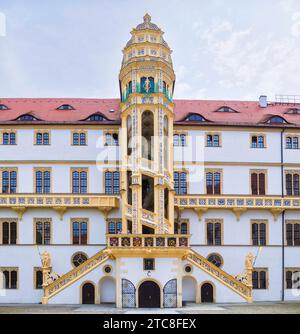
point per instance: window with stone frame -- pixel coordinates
(292, 232)
(79, 231)
(9, 228)
(260, 279)
(10, 277)
(42, 231)
(259, 232)
(214, 228)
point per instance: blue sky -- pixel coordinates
(223, 49)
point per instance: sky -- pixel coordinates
(222, 49)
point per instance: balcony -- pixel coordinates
(238, 204)
(59, 202)
(164, 244)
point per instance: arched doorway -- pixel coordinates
(189, 286)
(207, 293)
(107, 290)
(88, 293)
(149, 295)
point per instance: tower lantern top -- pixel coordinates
(147, 24)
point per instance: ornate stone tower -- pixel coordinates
(146, 84)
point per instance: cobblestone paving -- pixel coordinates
(257, 308)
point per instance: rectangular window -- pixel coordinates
(258, 182)
(42, 231)
(258, 141)
(79, 232)
(292, 232)
(179, 139)
(9, 138)
(38, 278)
(10, 276)
(260, 279)
(292, 142)
(79, 138)
(213, 182)
(112, 182)
(42, 138)
(259, 232)
(9, 181)
(180, 183)
(292, 278)
(213, 140)
(42, 181)
(292, 183)
(149, 264)
(181, 227)
(214, 232)
(111, 139)
(114, 226)
(79, 181)
(9, 231)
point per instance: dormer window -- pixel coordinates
(293, 111)
(96, 117)
(226, 109)
(3, 107)
(65, 107)
(276, 120)
(195, 118)
(27, 118)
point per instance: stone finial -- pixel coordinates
(147, 18)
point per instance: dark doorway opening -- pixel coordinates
(207, 293)
(149, 295)
(88, 293)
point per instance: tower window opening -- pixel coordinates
(148, 193)
(147, 135)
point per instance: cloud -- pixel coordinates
(295, 29)
(243, 59)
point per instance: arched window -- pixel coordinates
(276, 120)
(166, 142)
(66, 107)
(180, 183)
(226, 109)
(195, 118)
(3, 107)
(96, 117)
(288, 142)
(147, 135)
(27, 118)
(129, 135)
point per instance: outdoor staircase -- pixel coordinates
(75, 274)
(199, 261)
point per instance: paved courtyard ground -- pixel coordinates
(257, 308)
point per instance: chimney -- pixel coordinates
(263, 103)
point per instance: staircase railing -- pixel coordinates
(75, 274)
(240, 288)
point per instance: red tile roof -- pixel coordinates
(248, 113)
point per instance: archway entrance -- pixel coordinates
(207, 293)
(149, 295)
(88, 293)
